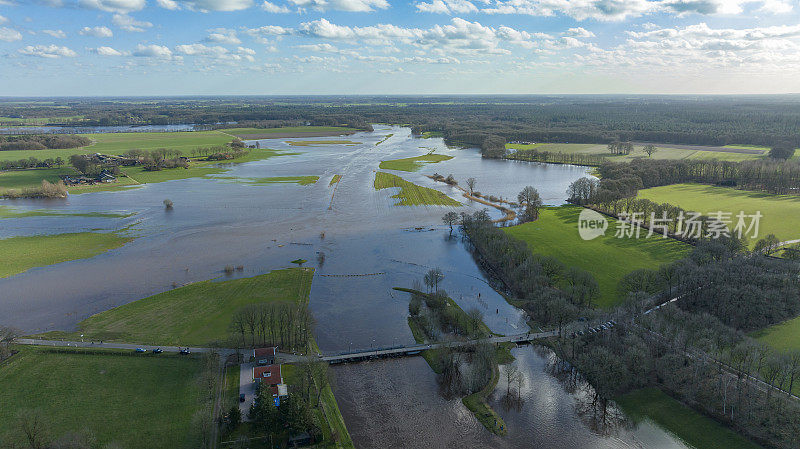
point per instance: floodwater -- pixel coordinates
(362, 246)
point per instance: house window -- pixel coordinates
(267, 374)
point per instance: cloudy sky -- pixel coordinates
(164, 47)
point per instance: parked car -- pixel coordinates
(157, 351)
(185, 351)
(141, 350)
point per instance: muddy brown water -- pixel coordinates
(369, 246)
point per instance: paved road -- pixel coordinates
(224, 352)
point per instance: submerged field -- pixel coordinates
(608, 258)
(194, 315)
(20, 254)
(693, 428)
(413, 163)
(127, 399)
(288, 131)
(781, 213)
(411, 194)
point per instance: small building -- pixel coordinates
(270, 376)
(265, 356)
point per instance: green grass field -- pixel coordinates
(638, 151)
(413, 163)
(783, 336)
(194, 315)
(608, 258)
(335, 180)
(411, 194)
(133, 400)
(20, 254)
(19, 179)
(781, 213)
(118, 143)
(691, 427)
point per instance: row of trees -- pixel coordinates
(32, 162)
(764, 175)
(283, 324)
(551, 292)
(534, 155)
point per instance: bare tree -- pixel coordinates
(450, 219)
(471, 182)
(649, 149)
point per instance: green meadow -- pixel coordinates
(783, 336)
(411, 194)
(608, 258)
(638, 151)
(20, 254)
(118, 143)
(413, 163)
(132, 400)
(10, 212)
(781, 213)
(696, 430)
(197, 314)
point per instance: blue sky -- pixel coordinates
(255, 47)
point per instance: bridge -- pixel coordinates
(411, 350)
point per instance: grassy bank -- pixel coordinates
(335, 180)
(411, 194)
(413, 163)
(781, 213)
(20, 254)
(132, 400)
(783, 336)
(693, 428)
(20, 179)
(475, 402)
(608, 258)
(194, 315)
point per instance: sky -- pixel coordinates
(291, 47)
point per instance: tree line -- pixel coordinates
(42, 142)
(282, 324)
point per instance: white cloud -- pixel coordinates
(607, 10)
(273, 8)
(579, 32)
(130, 24)
(58, 34)
(216, 52)
(9, 34)
(269, 30)
(47, 51)
(223, 36)
(99, 31)
(118, 6)
(106, 51)
(168, 4)
(152, 51)
(206, 5)
(342, 5)
(447, 7)
(3, 19)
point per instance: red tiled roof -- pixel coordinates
(260, 352)
(270, 374)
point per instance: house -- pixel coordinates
(265, 356)
(271, 376)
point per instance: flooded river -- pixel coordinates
(362, 246)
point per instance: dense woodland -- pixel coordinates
(41, 142)
(758, 120)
